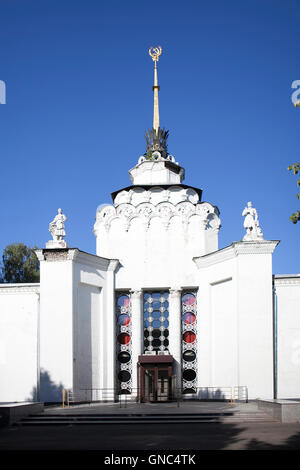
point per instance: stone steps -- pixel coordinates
(66, 419)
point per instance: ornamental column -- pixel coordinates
(175, 333)
(137, 332)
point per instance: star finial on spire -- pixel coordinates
(155, 52)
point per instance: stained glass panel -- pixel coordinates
(155, 321)
(124, 343)
(189, 342)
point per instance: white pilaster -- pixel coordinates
(56, 322)
(109, 365)
(137, 332)
(175, 332)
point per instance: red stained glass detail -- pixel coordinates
(123, 338)
(124, 320)
(189, 337)
(190, 300)
(189, 318)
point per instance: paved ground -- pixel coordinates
(245, 433)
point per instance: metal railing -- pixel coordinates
(102, 395)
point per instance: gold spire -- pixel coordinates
(155, 52)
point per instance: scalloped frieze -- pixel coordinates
(156, 195)
(126, 212)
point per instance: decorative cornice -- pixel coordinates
(255, 247)
(73, 254)
(89, 259)
(235, 249)
(288, 280)
(215, 257)
(20, 288)
(40, 255)
(113, 264)
(77, 256)
(56, 255)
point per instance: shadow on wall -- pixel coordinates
(49, 390)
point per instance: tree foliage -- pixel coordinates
(19, 264)
(295, 168)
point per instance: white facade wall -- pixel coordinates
(19, 344)
(235, 326)
(255, 316)
(223, 335)
(217, 313)
(75, 334)
(56, 324)
(87, 337)
(287, 321)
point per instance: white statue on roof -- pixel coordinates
(57, 230)
(251, 224)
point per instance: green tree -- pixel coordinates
(295, 168)
(19, 264)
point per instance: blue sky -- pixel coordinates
(79, 99)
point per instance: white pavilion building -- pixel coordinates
(159, 312)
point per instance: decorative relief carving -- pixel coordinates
(288, 281)
(125, 210)
(186, 209)
(56, 255)
(145, 210)
(165, 210)
(13, 288)
(166, 195)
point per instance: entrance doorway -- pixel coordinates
(155, 378)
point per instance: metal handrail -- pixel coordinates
(230, 393)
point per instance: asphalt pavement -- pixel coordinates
(238, 427)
